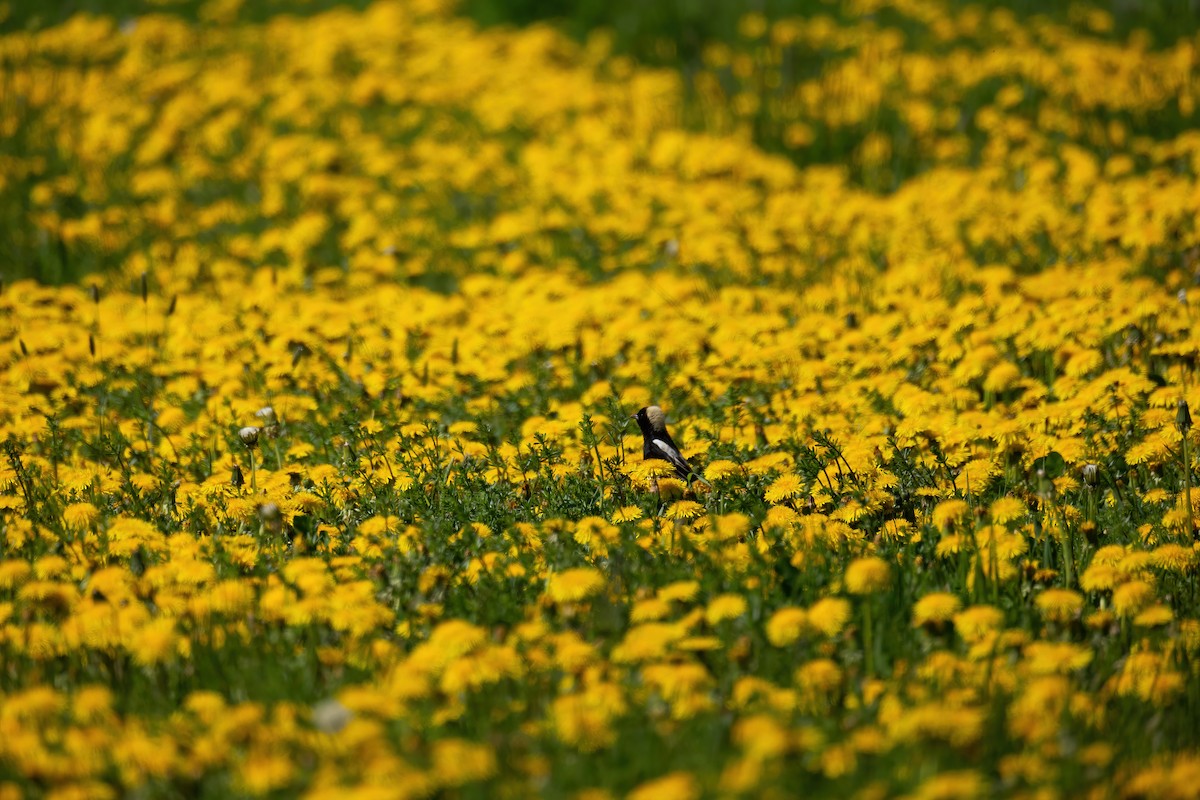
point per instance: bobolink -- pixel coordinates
(657, 443)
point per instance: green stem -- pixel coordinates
(253, 474)
(868, 643)
(1068, 546)
(1187, 487)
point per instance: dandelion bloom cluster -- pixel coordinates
(323, 484)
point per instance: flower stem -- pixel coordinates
(868, 639)
(1187, 487)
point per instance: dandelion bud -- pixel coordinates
(249, 436)
(1183, 418)
(330, 716)
(237, 479)
(271, 516)
(1090, 473)
(94, 292)
(266, 414)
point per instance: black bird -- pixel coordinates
(657, 443)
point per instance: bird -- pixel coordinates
(657, 443)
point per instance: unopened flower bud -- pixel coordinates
(237, 479)
(1090, 474)
(249, 436)
(1183, 418)
(271, 516)
(266, 414)
(330, 716)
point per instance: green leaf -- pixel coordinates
(1052, 465)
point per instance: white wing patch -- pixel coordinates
(672, 454)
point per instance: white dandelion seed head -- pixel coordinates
(249, 435)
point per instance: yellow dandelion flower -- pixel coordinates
(950, 545)
(647, 642)
(953, 785)
(1098, 577)
(1154, 617)
(675, 786)
(683, 510)
(768, 463)
(264, 771)
(1007, 509)
(684, 591)
(1056, 658)
(1036, 713)
(1100, 620)
(976, 622)
(1173, 777)
(761, 736)
(81, 516)
(935, 609)
(786, 625)
(781, 518)
(719, 469)
(627, 514)
(725, 607)
(1154, 449)
(784, 487)
(820, 675)
(649, 470)
(1174, 557)
(1131, 597)
(571, 653)
(1111, 555)
(1189, 634)
(457, 762)
(949, 511)
(574, 585)
(829, 615)
(1148, 676)
(448, 641)
(584, 720)
(1060, 605)
(649, 610)
(13, 573)
(697, 644)
(1136, 563)
(155, 642)
(867, 575)
(732, 526)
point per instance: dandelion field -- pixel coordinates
(320, 335)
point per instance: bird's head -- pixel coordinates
(651, 419)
